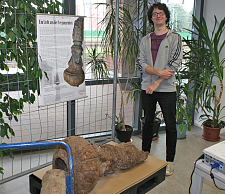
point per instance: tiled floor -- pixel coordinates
(188, 150)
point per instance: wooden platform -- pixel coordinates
(137, 180)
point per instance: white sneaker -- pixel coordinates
(169, 169)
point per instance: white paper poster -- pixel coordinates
(55, 38)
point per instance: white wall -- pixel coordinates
(211, 8)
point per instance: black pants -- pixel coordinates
(167, 102)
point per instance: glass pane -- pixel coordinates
(180, 15)
(92, 32)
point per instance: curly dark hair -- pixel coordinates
(161, 6)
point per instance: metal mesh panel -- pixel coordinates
(92, 114)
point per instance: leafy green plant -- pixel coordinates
(159, 116)
(119, 123)
(204, 66)
(131, 27)
(184, 107)
(18, 42)
(97, 64)
(217, 122)
(134, 87)
(9, 153)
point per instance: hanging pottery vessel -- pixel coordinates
(74, 74)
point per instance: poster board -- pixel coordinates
(54, 41)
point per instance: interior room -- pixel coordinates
(70, 68)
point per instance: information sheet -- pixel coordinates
(55, 39)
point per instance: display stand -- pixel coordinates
(203, 171)
(137, 180)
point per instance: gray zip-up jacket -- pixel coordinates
(169, 56)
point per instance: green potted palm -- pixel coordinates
(97, 63)
(100, 71)
(205, 70)
(128, 45)
(184, 106)
(130, 29)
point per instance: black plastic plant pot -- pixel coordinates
(156, 125)
(124, 136)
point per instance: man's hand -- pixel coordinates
(166, 73)
(151, 88)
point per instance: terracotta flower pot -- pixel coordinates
(211, 134)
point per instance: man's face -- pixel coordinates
(159, 17)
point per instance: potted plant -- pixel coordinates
(184, 107)
(134, 88)
(97, 63)
(156, 124)
(128, 36)
(205, 70)
(123, 133)
(99, 68)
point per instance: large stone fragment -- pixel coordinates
(91, 161)
(110, 154)
(130, 155)
(120, 156)
(54, 182)
(87, 166)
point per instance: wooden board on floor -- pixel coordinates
(40, 173)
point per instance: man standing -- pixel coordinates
(160, 56)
